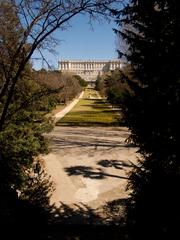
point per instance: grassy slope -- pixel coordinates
(91, 112)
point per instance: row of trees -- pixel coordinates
(66, 86)
(113, 86)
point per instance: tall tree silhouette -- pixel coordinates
(150, 29)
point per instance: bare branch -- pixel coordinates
(38, 20)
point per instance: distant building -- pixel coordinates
(88, 70)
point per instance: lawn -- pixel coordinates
(90, 93)
(91, 112)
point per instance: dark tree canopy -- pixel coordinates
(151, 31)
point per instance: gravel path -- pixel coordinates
(89, 165)
(62, 113)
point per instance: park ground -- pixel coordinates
(91, 110)
(89, 163)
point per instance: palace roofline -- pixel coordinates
(88, 60)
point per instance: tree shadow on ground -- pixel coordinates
(100, 101)
(90, 172)
(101, 107)
(118, 164)
(112, 111)
(96, 143)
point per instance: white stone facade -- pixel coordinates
(89, 69)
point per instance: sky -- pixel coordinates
(81, 42)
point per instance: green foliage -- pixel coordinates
(113, 86)
(114, 96)
(24, 191)
(38, 187)
(99, 84)
(81, 81)
(21, 142)
(151, 30)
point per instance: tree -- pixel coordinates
(151, 31)
(35, 22)
(64, 85)
(21, 138)
(115, 87)
(81, 81)
(98, 83)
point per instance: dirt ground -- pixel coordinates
(89, 165)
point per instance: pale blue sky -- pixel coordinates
(80, 41)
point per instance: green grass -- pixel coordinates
(90, 93)
(91, 112)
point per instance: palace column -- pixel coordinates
(69, 65)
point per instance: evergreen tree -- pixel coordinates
(81, 81)
(151, 31)
(98, 83)
(24, 187)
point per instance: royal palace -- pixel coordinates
(89, 70)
